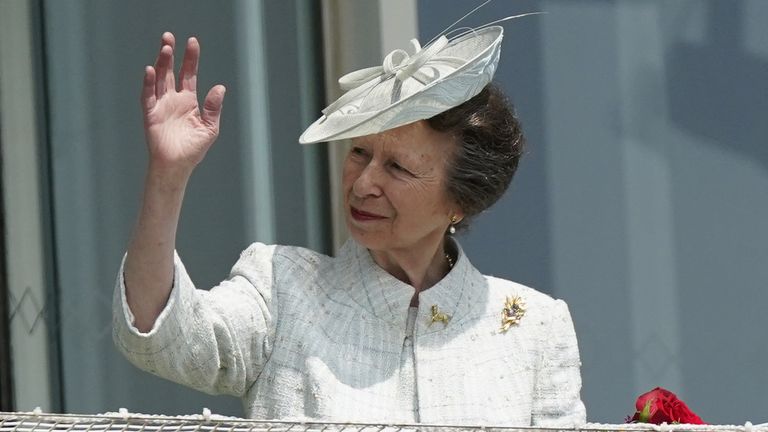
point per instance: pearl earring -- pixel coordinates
(452, 228)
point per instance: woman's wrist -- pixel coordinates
(167, 179)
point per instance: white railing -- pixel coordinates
(207, 422)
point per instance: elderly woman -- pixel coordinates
(400, 327)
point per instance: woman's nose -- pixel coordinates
(368, 182)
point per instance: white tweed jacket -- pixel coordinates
(300, 335)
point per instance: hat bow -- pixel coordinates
(399, 64)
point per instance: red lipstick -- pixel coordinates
(360, 215)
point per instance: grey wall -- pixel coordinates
(95, 53)
(643, 199)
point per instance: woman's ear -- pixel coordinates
(456, 216)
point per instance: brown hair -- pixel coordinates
(489, 143)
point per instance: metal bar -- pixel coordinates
(6, 374)
(45, 168)
(35, 422)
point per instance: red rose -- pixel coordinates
(662, 406)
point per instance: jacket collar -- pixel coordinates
(384, 296)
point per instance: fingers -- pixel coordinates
(162, 69)
(212, 107)
(164, 66)
(188, 74)
(170, 79)
(168, 39)
(148, 99)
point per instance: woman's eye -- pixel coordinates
(397, 167)
(357, 151)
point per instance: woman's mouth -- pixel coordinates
(360, 215)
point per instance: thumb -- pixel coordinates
(212, 106)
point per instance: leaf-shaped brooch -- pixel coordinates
(514, 310)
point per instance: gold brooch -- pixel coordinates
(514, 309)
(438, 316)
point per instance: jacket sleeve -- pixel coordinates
(215, 341)
(557, 401)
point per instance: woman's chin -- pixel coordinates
(365, 238)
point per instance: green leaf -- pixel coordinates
(645, 414)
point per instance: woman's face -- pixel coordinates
(394, 188)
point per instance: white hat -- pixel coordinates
(410, 86)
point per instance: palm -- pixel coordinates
(175, 131)
(178, 132)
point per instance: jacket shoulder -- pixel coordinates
(281, 257)
(501, 288)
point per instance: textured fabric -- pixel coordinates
(406, 391)
(298, 334)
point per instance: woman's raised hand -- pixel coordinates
(178, 132)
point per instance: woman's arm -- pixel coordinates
(178, 135)
(216, 340)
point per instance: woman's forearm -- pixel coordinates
(148, 271)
